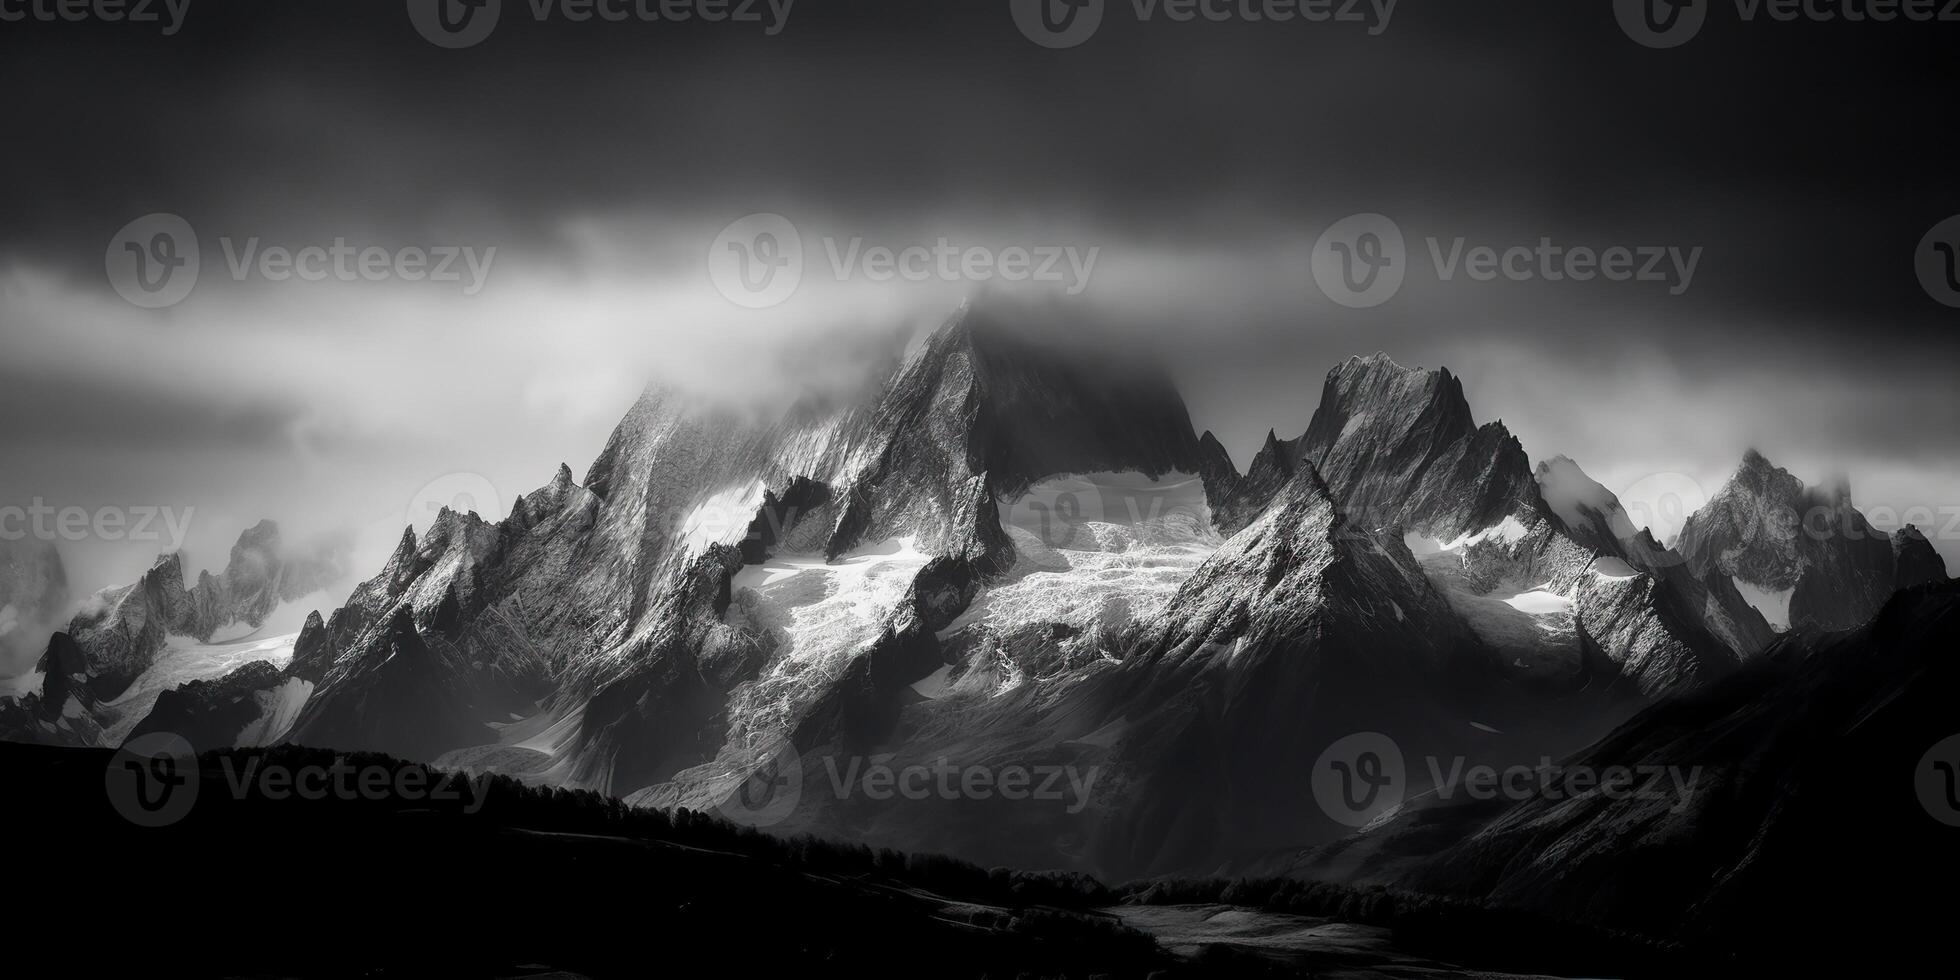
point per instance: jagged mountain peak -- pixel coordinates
(1379, 361)
(1579, 500)
(1807, 557)
(1039, 395)
(261, 536)
(1400, 446)
(1379, 368)
(1757, 475)
(168, 568)
(1379, 402)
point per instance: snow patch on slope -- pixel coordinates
(183, 660)
(721, 519)
(826, 615)
(1576, 498)
(1774, 604)
(1508, 531)
(1539, 602)
(278, 709)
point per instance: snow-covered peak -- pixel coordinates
(1578, 500)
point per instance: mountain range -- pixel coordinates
(1013, 552)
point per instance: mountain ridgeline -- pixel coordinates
(1017, 555)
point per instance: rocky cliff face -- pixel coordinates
(1399, 447)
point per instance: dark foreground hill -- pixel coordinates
(295, 862)
(490, 879)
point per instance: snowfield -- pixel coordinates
(184, 660)
(825, 615)
(1105, 547)
(1774, 604)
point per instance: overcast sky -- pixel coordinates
(1202, 161)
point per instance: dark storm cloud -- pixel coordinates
(1807, 159)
